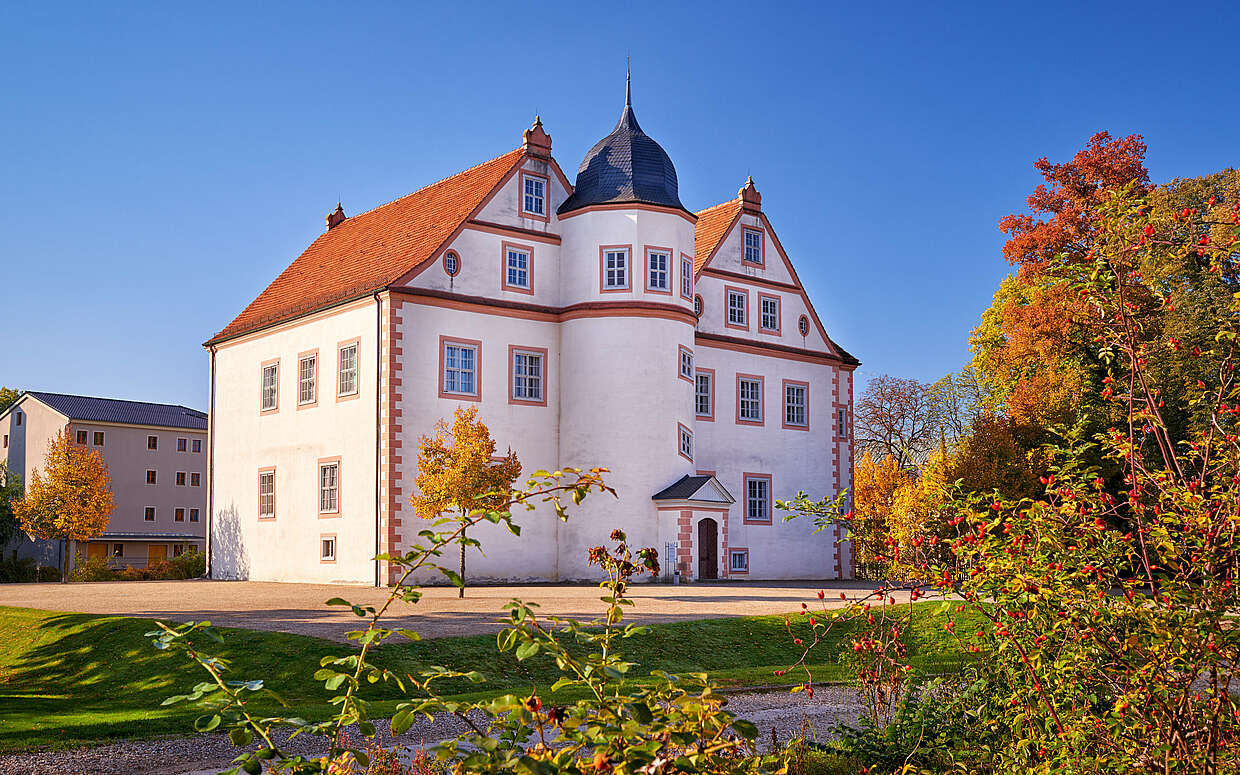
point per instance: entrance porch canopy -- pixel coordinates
(702, 491)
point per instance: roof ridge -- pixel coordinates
(117, 400)
(716, 207)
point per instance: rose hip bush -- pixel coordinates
(665, 724)
(1112, 641)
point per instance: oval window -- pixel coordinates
(451, 263)
(803, 326)
(697, 306)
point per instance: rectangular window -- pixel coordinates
(460, 369)
(18, 416)
(195, 480)
(266, 494)
(180, 478)
(528, 375)
(6, 441)
(270, 387)
(81, 438)
(841, 423)
(686, 363)
(517, 262)
(749, 399)
(178, 515)
(738, 560)
(796, 404)
(327, 548)
(118, 550)
(657, 262)
(182, 445)
(533, 195)
(152, 442)
(197, 445)
(753, 246)
(329, 488)
(686, 277)
(738, 314)
(615, 267)
(307, 382)
(686, 443)
(150, 477)
(98, 438)
(178, 550)
(148, 514)
(193, 515)
(346, 380)
(704, 395)
(769, 318)
(758, 498)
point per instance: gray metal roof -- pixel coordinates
(115, 410)
(625, 166)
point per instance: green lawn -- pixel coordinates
(72, 679)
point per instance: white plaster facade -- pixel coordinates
(612, 395)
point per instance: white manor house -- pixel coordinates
(595, 323)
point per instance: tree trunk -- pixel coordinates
(460, 592)
(64, 561)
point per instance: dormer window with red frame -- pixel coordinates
(753, 247)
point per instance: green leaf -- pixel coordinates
(745, 729)
(410, 634)
(333, 683)
(338, 601)
(526, 650)
(240, 736)
(207, 723)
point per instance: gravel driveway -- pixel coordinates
(782, 711)
(298, 608)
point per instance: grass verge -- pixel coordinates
(74, 679)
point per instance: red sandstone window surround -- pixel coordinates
(757, 489)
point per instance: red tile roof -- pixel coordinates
(372, 250)
(712, 226)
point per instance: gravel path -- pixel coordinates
(781, 710)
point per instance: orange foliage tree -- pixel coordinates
(1035, 363)
(70, 500)
(459, 474)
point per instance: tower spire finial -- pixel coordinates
(628, 93)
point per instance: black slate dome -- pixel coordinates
(625, 166)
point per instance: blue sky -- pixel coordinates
(163, 162)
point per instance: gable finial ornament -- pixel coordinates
(535, 140)
(749, 196)
(336, 217)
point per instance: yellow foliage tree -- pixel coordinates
(458, 473)
(70, 499)
(876, 484)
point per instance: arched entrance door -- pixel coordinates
(708, 549)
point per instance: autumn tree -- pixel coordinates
(8, 397)
(70, 499)
(896, 417)
(876, 484)
(1038, 367)
(459, 475)
(958, 400)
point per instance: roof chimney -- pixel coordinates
(535, 140)
(751, 200)
(336, 217)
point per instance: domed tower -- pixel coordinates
(627, 287)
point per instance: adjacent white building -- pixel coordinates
(595, 323)
(157, 461)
